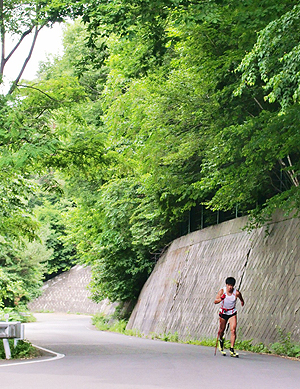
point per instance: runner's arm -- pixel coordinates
(218, 298)
(239, 295)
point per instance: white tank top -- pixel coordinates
(228, 304)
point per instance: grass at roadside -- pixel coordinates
(23, 350)
(284, 346)
(21, 314)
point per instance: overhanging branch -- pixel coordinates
(18, 44)
(15, 83)
(39, 90)
(291, 173)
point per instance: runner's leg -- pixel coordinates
(233, 323)
(221, 334)
(222, 327)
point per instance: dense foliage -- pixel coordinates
(26, 136)
(159, 116)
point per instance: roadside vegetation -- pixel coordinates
(20, 313)
(23, 350)
(283, 347)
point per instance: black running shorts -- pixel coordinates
(226, 317)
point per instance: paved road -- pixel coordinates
(90, 359)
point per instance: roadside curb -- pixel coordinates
(48, 356)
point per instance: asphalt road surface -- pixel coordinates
(85, 358)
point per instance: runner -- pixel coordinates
(228, 313)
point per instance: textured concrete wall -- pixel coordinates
(69, 292)
(180, 292)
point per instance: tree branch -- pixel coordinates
(92, 89)
(295, 179)
(15, 83)
(258, 103)
(2, 32)
(290, 173)
(18, 44)
(39, 90)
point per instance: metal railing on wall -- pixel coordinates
(199, 217)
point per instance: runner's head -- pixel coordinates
(230, 281)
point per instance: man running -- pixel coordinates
(228, 313)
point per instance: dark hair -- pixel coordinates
(230, 281)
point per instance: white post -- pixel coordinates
(6, 348)
(6, 342)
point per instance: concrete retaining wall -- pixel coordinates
(179, 295)
(69, 292)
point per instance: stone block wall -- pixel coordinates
(68, 292)
(179, 295)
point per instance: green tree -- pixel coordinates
(61, 255)
(257, 162)
(21, 271)
(27, 136)
(22, 19)
(142, 119)
(174, 135)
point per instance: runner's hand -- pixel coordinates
(223, 296)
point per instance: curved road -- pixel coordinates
(90, 359)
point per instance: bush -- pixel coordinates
(23, 350)
(17, 314)
(285, 346)
(101, 322)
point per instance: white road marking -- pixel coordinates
(55, 358)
